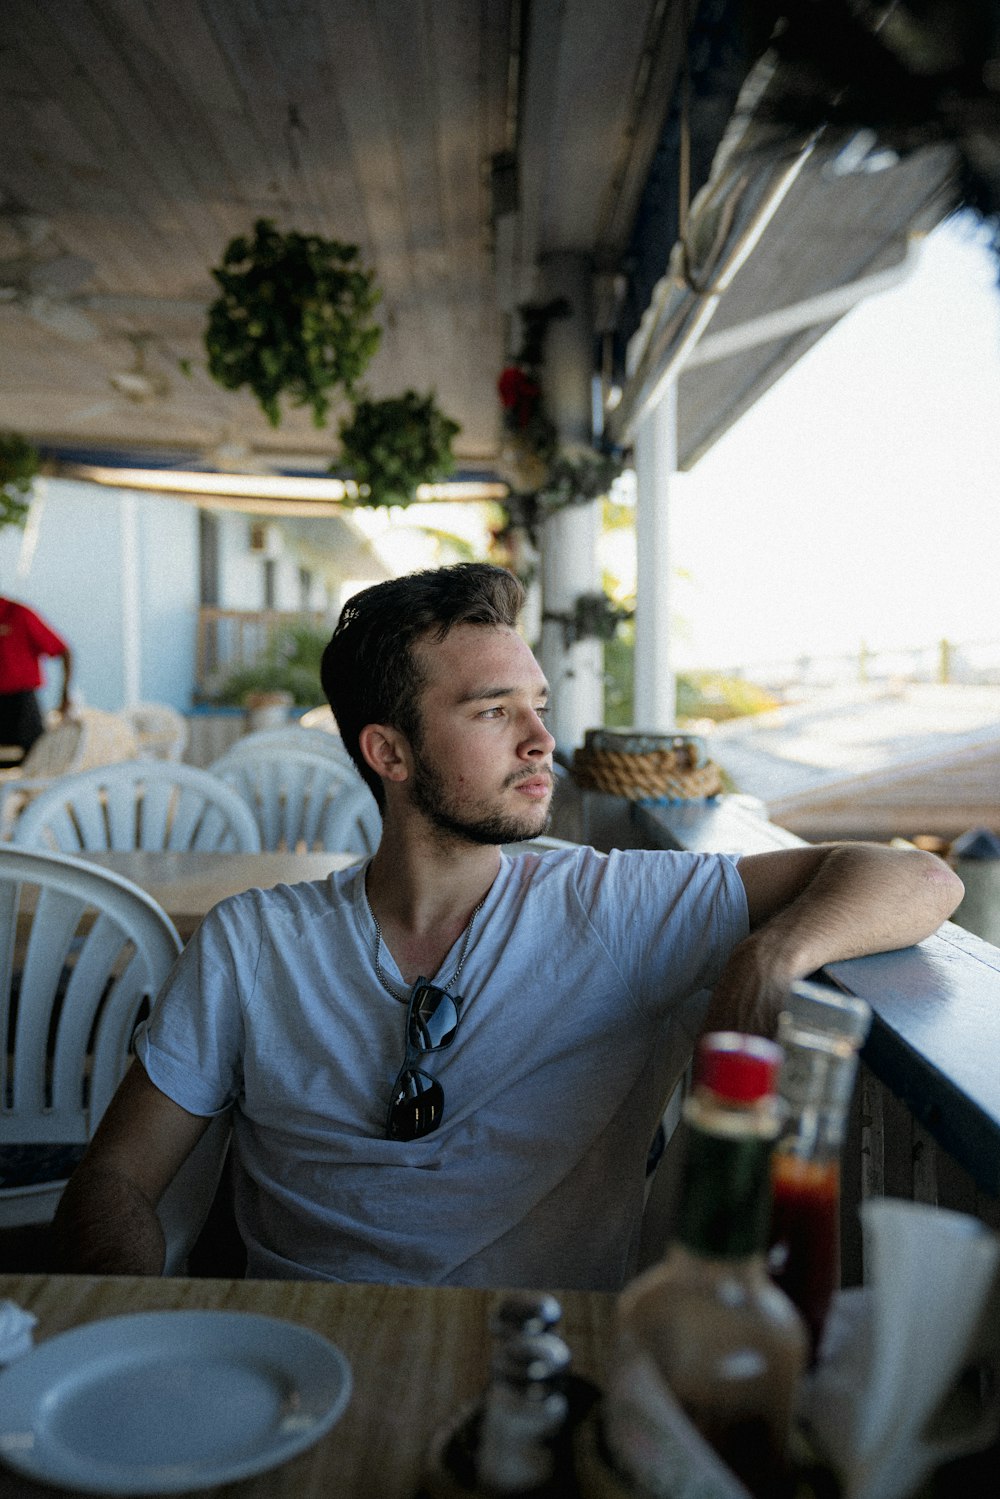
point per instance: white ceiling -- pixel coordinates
(140, 137)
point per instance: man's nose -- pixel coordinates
(538, 740)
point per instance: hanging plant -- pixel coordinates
(576, 478)
(528, 436)
(594, 616)
(19, 466)
(293, 320)
(392, 446)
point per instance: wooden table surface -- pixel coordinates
(416, 1354)
(188, 884)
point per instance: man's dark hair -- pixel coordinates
(369, 671)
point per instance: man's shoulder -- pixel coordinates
(263, 906)
(581, 864)
(620, 873)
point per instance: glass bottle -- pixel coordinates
(820, 1031)
(524, 1312)
(510, 1440)
(523, 1412)
(706, 1334)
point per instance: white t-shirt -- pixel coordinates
(583, 984)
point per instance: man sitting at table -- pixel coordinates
(505, 1142)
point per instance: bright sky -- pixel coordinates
(860, 499)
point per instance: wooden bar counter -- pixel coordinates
(416, 1355)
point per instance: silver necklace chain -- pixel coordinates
(380, 972)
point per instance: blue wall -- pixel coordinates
(168, 600)
(74, 577)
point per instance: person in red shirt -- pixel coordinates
(24, 639)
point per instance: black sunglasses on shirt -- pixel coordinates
(416, 1105)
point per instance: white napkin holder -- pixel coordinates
(909, 1373)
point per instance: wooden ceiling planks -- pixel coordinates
(148, 135)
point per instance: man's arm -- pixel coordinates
(106, 1221)
(818, 904)
(67, 661)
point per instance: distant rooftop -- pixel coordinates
(875, 761)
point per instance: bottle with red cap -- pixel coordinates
(708, 1351)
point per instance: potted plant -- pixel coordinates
(594, 616)
(286, 674)
(393, 446)
(575, 478)
(294, 319)
(19, 466)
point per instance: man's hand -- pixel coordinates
(751, 991)
(819, 904)
(106, 1221)
(65, 702)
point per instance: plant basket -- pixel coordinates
(294, 319)
(393, 446)
(646, 767)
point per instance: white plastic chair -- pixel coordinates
(70, 992)
(543, 844)
(161, 732)
(320, 718)
(293, 737)
(302, 800)
(98, 947)
(81, 741)
(139, 804)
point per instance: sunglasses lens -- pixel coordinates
(433, 1018)
(416, 1106)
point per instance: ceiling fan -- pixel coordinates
(233, 454)
(134, 384)
(39, 279)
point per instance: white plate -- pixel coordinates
(161, 1402)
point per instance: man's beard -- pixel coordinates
(428, 795)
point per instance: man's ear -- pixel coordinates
(384, 749)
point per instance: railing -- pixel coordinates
(925, 1123)
(231, 638)
(969, 662)
(925, 1120)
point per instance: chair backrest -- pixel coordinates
(80, 950)
(90, 737)
(302, 800)
(543, 844)
(295, 738)
(320, 718)
(139, 804)
(161, 732)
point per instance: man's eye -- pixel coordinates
(543, 709)
(491, 712)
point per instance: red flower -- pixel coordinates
(519, 394)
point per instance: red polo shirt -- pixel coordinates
(24, 639)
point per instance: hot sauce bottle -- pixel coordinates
(820, 1032)
(708, 1352)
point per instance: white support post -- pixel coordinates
(576, 672)
(655, 689)
(569, 537)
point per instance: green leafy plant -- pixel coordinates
(19, 465)
(289, 663)
(393, 446)
(576, 478)
(294, 319)
(594, 616)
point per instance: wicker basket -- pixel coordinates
(646, 767)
